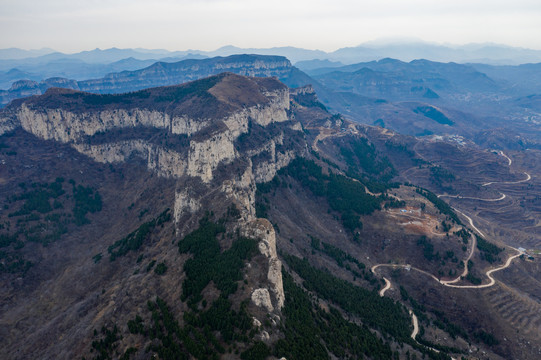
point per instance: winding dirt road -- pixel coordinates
(528, 178)
(415, 322)
(507, 157)
(452, 283)
(488, 274)
(473, 198)
(386, 287)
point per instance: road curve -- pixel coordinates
(470, 221)
(528, 178)
(507, 157)
(450, 283)
(386, 287)
(473, 198)
(488, 274)
(415, 322)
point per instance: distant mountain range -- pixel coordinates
(160, 74)
(37, 65)
(488, 53)
(419, 97)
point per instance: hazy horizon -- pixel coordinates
(379, 42)
(71, 26)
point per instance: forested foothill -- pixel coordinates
(42, 213)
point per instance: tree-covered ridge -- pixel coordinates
(86, 201)
(489, 251)
(441, 205)
(206, 330)
(210, 264)
(432, 113)
(378, 312)
(320, 333)
(346, 261)
(205, 334)
(344, 195)
(134, 240)
(362, 158)
(312, 333)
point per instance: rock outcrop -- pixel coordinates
(263, 230)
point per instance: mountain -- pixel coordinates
(77, 69)
(294, 54)
(411, 50)
(406, 50)
(17, 54)
(235, 217)
(525, 77)
(423, 97)
(418, 98)
(184, 142)
(423, 74)
(162, 73)
(308, 65)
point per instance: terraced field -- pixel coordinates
(517, 310)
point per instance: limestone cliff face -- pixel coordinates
(66, 126)
(266, 170)
(163, 161)
(275, 111)
(184, 203)
(274, 296)
(204, 155)
(241, 191)
(8, 123)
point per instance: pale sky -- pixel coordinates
(75, 25)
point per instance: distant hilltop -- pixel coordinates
(158, 74)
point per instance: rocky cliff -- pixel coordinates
(190, 133)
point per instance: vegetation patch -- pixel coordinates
(134, 240)
(434, 114)
(441, 205)
(86, 201)
(489, 251)
(344, 195)
(208, 330)
(38, 214)
(210, 264)
(378, 312)
(312, 333)
(344, 260)
(428, 249)
(360, 154)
